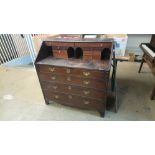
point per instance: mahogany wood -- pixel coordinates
(72, 73)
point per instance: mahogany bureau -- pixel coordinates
(75, 72)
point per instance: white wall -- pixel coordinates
(134, 40)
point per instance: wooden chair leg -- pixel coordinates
(153, 94)
(141, 65)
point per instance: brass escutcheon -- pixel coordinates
(52, 69)
(56, 96)
(86, 92)
(69, 87)
(68, 78)
(55, 87)
(53, 77)
(86, 102)
(86, 73)
(70, 96)
(86, 82)
(68, 71)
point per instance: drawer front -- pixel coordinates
(96, 55)
(99, 44)
(75, 100)
(90, 49)
(85, 82)
(64, 48)
(60, 54)
(87, 55)
(50, 43)
(74, 71)
(88, 44)
(72, 89)
(62, 44)
(79, 44)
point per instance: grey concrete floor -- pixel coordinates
(21, 97)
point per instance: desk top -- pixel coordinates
(77, 63)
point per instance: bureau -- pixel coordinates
(75, 71)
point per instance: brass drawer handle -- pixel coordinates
(56, 96)
(86, 102)
(86, 82)
(68, 71)
(69, 87)
(52, 69)
(70, 96)
(53, 77)
(86, 73)
(55, 87)
(68, 78)
(86, 92)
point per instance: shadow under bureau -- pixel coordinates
(75, 72)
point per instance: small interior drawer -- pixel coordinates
(60, 54)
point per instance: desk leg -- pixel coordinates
(115, 89)
(113, 79)
(153, 94)
(114, 84)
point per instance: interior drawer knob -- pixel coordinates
(68, 78)
(56, 96)
(68, 71)
(52, 69)
(55, 87)
(70, 96)
(69, 87)
(86, 92)
(53, 78)
(86, 102)
(86, 73)
(86, 82)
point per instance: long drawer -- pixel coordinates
(85, 82)
(86, 44)
(74, 100)
(72, 89)
(74, 71)
(79, 44)
(59, 44)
